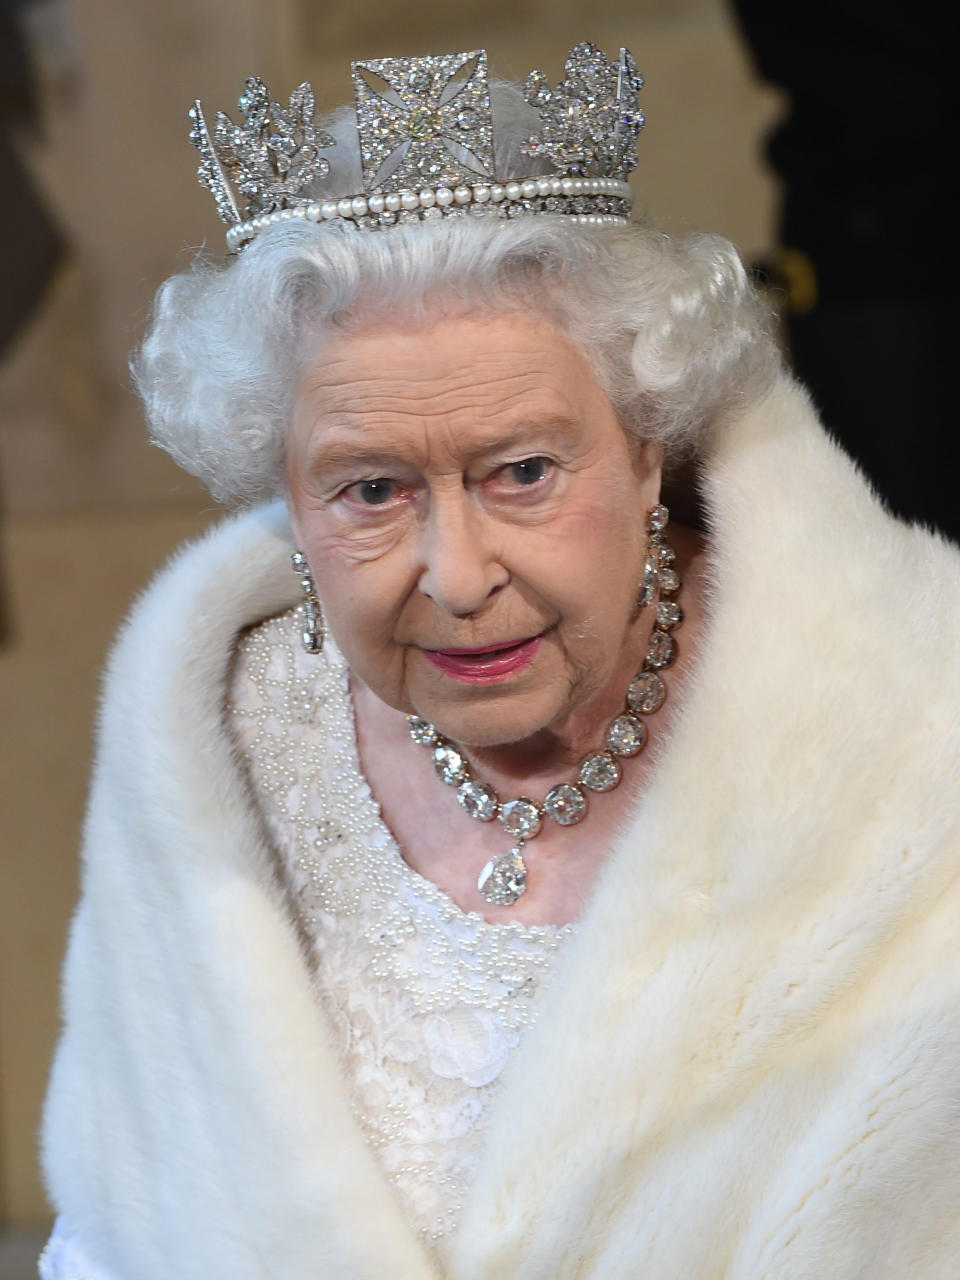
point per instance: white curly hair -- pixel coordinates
(671, 326)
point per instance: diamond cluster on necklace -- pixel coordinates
(504, 878)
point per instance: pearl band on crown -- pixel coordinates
(590, 201)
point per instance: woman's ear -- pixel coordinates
(648, 459)
(648, 469)
(292, 517)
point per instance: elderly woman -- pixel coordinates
(436, 921)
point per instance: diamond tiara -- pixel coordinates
(427, 147)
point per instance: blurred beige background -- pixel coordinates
(89, 510)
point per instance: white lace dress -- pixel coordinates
(427, 1002)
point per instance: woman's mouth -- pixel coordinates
(486, 664)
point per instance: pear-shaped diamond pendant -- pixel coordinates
(504, 878)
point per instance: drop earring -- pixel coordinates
(314, 629)
(650, 585)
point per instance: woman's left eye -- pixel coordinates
(529, 471)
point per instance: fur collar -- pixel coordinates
(747, 1064)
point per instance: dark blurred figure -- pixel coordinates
(32, 245)
(863, 155)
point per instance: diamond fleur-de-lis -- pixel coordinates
(427, 123)
(269, 159)
(591, 119)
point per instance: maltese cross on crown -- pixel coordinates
(427, 121)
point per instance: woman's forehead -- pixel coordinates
(458, 352)
(489, 376)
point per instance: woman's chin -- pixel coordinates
(492, 721)
(488, 736)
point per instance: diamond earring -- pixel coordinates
(653, 565)
(314, 628)
(650, 581)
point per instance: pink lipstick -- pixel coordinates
(487, 664)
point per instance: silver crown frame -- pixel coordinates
(427, 147)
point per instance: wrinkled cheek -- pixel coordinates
(600, 538)
(591, 589)
(358, 575)
(370, 650)
(352, 548)
(596, 621)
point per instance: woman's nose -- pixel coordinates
(460, 569)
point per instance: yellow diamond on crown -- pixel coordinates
(425, 123)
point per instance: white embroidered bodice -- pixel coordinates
(427, 1001)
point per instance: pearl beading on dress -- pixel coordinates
(427, 1002)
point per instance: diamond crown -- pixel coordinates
(427, 146)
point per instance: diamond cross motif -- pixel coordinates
(428, 121)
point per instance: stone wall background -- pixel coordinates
(89, 509)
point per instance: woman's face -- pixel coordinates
(475, 519)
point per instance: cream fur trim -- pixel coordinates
(747, 1064)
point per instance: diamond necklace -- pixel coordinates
(504, 878)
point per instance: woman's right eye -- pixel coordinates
(373, 493)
